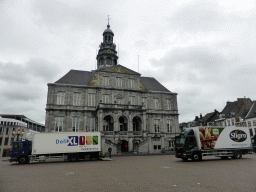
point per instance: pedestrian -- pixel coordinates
(109, 151)
(126, 147)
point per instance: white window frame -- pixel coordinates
(58, 127)
(119, 82)
(144, 100)
(105, 98)
(91, 124)
(249, 123)
(169, 123)
(156, 103)
(157, 125)
(132, 100)
(130, 83)
(76, 98)
(60, 98)
(169, 104)
(1, 131)
(119, 100)
(254, 122)
(106, 80)
(91, 99)
(75, 124)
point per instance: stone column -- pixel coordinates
(149, 144)
(130, 144)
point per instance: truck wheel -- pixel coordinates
(237, 155)
(196, 157)
(23, 160)
(73, 158)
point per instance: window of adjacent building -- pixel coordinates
(132, 100)
(119, 82)
(249, 124)
(75, 124)
(91, 124)
(233, 122)
(130, 83)
(156, 103)
(157, 147)
(91, 99)
(254, 122)
(171, 143)
(60, 98)
(1, 130)
(106, 81)
(1, 139)
(168, 104)
(228, 122)
(7, 131)
(58, 124)
(169, 125)
(6, 141)
(12, 139)
(156, 125)
(144, 101)
(76, 98)
(251, 133)
(105, 98)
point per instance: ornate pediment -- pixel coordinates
(95, 81)
(120, 69)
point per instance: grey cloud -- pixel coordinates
(199, 15)
(141, 43)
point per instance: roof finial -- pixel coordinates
(108, 22)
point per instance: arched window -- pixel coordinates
(123, 123)
(108, 61)
(136, 122)
(108, 123)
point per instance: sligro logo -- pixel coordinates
(238, 135)
(79, 140)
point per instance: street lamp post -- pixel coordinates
(18, 133)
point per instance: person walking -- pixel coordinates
(126, 147)
(109, 151)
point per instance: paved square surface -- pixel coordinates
(132, 173)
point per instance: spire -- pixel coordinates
(107, 55)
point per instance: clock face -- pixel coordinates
(109, 51)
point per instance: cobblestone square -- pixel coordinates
(132, 173)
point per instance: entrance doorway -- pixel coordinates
(124, 146)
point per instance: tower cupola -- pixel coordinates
(107, 54)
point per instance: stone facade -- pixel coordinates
(133, 113)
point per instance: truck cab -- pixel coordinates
(20, 151)
(185, 143)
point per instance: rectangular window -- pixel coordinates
(156, 125)
(251, 133)
(132, 100)
(169, 125)
(91, 124)
(76, 98)
(156, 103)
(168, 104)
(12, 139)
(6, 141)
(232, 122)
(1, 130)
(144, 101)
(1, 139)
(130, 83)
(119, 82)
(155, 147)
(119, 101)
(249, 124)
(58, 124)
(60, 98)
(91, 99)
(7, 131)
(105, 98)
(106, 81)
(159, 147)
(75, 124)
(228, 122)
(254, 123)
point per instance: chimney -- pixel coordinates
(201, 117)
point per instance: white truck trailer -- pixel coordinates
(224, 142)
(70, 146)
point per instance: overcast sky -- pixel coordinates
(204, 50)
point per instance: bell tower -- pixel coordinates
(107, 54)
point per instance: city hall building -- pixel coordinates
(133, 113)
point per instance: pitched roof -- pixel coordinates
(75, 77)
(252, 112)
(152, 84)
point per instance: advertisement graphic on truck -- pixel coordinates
(224, 142)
